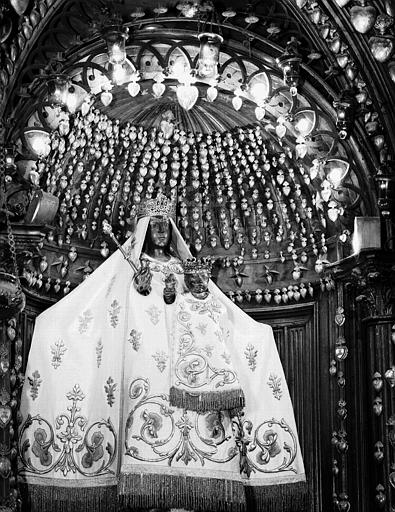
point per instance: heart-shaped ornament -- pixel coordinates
(187, 96)
(133, 89)
(5, 415)
(381, 48)
(212, 93)
(237, 102)
(158, 89)
(106, 98)
(281, 130)
(363, 17)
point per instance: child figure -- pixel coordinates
(197, 275)
(203, 377)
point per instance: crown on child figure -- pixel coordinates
(195, 265)
(161, 205)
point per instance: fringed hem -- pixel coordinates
(176, 491)
(144, 491)
(207, 401)
(46, 498)
(278, 498)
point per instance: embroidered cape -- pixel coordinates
(98, 430)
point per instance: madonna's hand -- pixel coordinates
(142, 279)
(169, 291)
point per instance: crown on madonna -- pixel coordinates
(196, 265)
(160, 206)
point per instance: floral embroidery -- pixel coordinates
(275, 384)
(99, 350)
(209, 350)
(152, 424)
(210, 306)
(57, 353)
(134, 339)
(226, 357)
(154, 314)
(110, 285)
(114, 312)
(192, 368)
(35, 382)
(269, 447)
(222, 334)
(251, 355)
(95, 450)
(202, 328)
(110, 390)
(75, 394)
(84, 321)
(74, 437)
(264, 442)
(160, 358)
(40, 447)
(172, 267)
(182, 438)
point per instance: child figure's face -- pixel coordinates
(197, 283)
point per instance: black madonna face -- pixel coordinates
(197, 283)
(160, 231)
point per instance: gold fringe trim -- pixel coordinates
(145, 491)
(177, 491)
(207, 401)
(278, 498)
(46, 498)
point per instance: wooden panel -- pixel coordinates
(295, 337)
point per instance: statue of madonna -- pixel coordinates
(147, 390)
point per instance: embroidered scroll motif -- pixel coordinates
(84, 321)
(57, 353)
(275, 384)
(57, 452)
(99, 350)
(171, 267)
(193, 368)
(114, 312)
(155, 432)
(35, 383)
(154, 313)
(110, 391)
(161, 360)
(272, 443)
(135, 339)
(251, 354)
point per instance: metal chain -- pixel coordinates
(10, 235)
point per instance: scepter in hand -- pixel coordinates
(142, 277)
(107, 230)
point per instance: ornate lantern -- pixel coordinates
(209, 54)
(115, 38)
(289, 63)
(58, 89)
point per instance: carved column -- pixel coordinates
(24, 241)
(367, 284)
